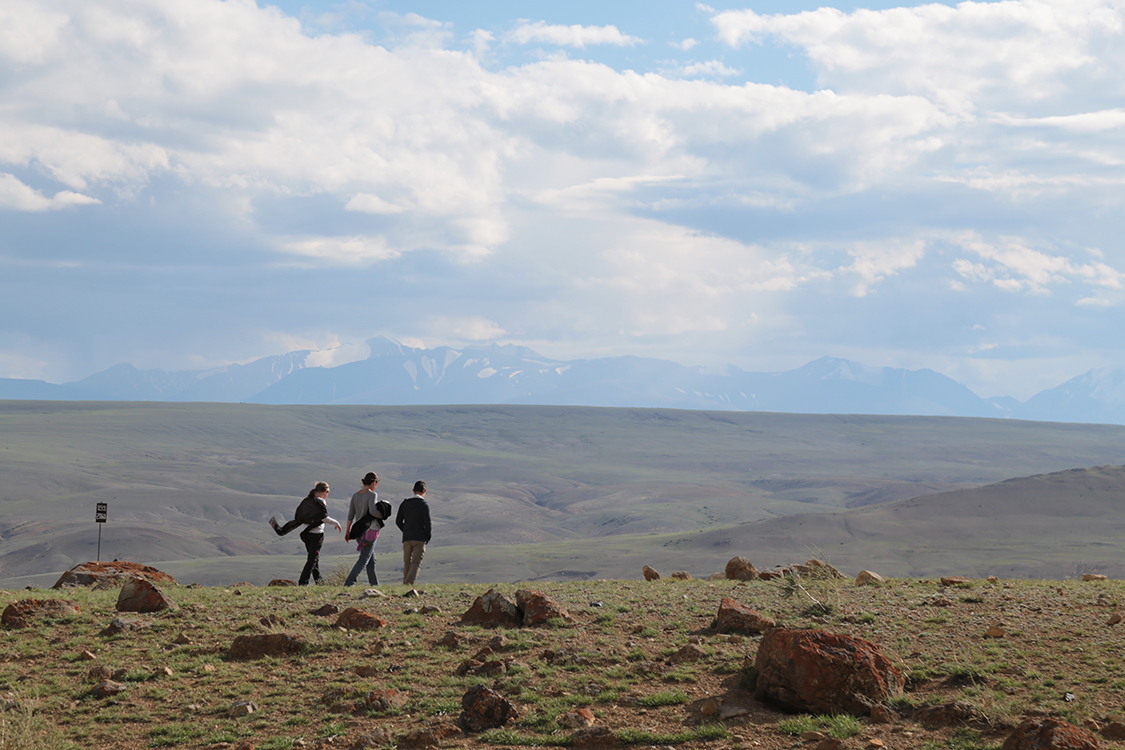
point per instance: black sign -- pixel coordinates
(102, 513)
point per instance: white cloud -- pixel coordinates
(710, 68)
(686, 45)
(875, 261)
(540, 32)
(372, 204)
(16, 195)
(343, 250)
(1012, 264)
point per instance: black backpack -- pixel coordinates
(310, 511)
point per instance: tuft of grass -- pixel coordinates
(704, 733)
(839, 726)
(664, 698)
(509, 738)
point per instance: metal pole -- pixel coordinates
(99, 542)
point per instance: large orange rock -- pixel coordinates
(20, 614)
(257, 646)
(538, 608)
(740, 569)
(109, 574)
(1050, 734)
(812, 671)
(737, 618)
(493, 608)
(484, 708)
(141, 595)
(356, 619)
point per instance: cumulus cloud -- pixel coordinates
(16, 195)
(1014, 264)
(541, 32)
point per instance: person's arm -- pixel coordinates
(333, 521)
(351, 515)
(399, 520)
(426, 520)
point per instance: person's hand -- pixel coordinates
(339, 527)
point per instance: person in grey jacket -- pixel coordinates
(413, 519)
(364, 502)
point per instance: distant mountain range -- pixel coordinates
(395, 374)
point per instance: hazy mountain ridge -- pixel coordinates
(395, 374)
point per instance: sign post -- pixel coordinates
(101, 515)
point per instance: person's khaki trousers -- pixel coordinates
(412, 553)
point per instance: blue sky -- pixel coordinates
(190, 183)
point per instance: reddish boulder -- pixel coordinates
(282, 582)
(385, 700)
(740, 569)
(650, 574)
(736, 618)
(356, 619)
(106, 688)
(493, 608)
(20, 614)
(812, 671)
(483, 708)
(109, 574)
(538, 608)
(326, 611)
(1050, 734)
(257, 646)
(141, 595)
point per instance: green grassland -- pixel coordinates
(517, 492)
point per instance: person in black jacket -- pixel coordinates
(413, 519)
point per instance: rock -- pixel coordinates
(412, 594)
(493, 608)
(954, 714)
(428, 737)
(1094, 577)
(682, 575)
(867, 578)
(953, 580)
(1050, 734)
(769, 575)
(376, 739)
(167, 672)
(875, 742)
(995, 632)
(817, 569)
(109, 574)
(736, 618)
(993, 579)
(99, 673)
(106, 688)
(373, 594)
(326, 611)
(271, 620)
(716, 576)
(593, 737)
(1114, 619)
(430, 610)
(650, 574)
(732, 712)
(121, 625)
(484, 708)
(282, 582)
(813, 736)
(688, 653)
(386, 700)
(182, 640)
(87, 656)
(740, 569)
(141, 595)
(829, 743)
(257, 646)
(709, 707)
(451, 640)
(579, 718)
(1113, 730)
(20, 614)
(538, 608)
(881, 715)
(824, 673)
(356, 619)
(498, 642)
(940, 601)
(238, 709)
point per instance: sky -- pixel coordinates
(191, 183)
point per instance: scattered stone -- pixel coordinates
(325, 611)
(740, 569)
(593, 737)
(87, 656)
(271, 620)
(99, 673)
(993, 579)
(995, 632)
(356, 619)
(709, 707)
(385, 700)
(940, 601)
(498, 642)
(818, 672)
(182, 640)
(875, 742)
(238, 709)
(769, 575)
(650, 574)
(428, 737)
(813, 736)
(682, 575)
(109, 574)
(484, 708)
(207, 668)
(955, 714)
(451, 640)
(1094, 577)
(576, 719)
(564, 657)
(121, 625)
(141, 595)
(106, 688)
(868, 578)
(538, 608)
(1115, 618)
(377, 738)
(257, 646)
(493, 608)
(167, 672)
(688, 653)
(20, 614)
(953, 580)
(736, 618)
(817, 569)
(282, 582)
(430, 610)
(412, 594)
(1050, 734)
(373, 594)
